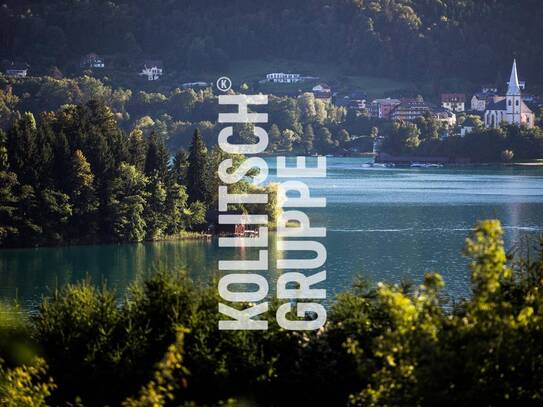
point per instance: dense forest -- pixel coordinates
(384, 345)
(75, 177)
(416, 39)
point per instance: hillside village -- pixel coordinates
(485, 108)
(453, 114)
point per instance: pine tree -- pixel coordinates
(23, 149)
(156, 161)
(82, 195)
(61, 160)
(8, 207)
(309, 138)
(4, 159)
(176, 208)
(137, 149)
(180, 167)
(155, 210)
(196, 174)
(30, 231)
(45, 156)
(54, 212)
(126, 204)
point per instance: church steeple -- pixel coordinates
(514, 88)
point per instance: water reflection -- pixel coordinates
(386, 224)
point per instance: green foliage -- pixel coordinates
(74, 176)
(403, 137)
(127, 202)
(414, 39)
(196, 171)
(156, 161)
(25, 386)
(168, 374)
(154, 213)
(382, 345)
(481, 145)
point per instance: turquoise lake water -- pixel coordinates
(388, 224)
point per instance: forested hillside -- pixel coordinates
(416, 39)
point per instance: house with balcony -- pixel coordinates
(280, 77)
(152, 70)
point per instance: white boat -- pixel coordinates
(426, 165)
(378, 165)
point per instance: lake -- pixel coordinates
(388, 224)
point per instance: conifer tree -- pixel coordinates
(82, 195)
(126, 204)
(196, 174)
(154, 213)
(156, 161)
(308, 139)
(137, 149)
(8, 207)
(53, 214)
(23, 149)
(176, 208)
(180, 167)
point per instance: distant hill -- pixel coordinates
(446, 42)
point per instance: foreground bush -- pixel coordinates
(383, 345)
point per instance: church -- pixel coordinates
(510, 109)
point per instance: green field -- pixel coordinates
(250, 71)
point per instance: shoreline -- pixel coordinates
(178, 237)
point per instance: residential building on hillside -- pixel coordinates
(454, 101)
(510, 108)
(17, 70)
(91, 61)
(480, 100)
(280, 77)
(382, 108)
(355, 100)
(443, 115)
(322, 91)
(409, 110)
(153, 70)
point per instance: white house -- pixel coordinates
(455, 102)
(153, 70)
(284, 77)
(92, 60)
(510, 109)
(444, 115)
(322, 91)
(17, 70)
(480, 100)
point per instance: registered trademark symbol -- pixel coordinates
(224, 83)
